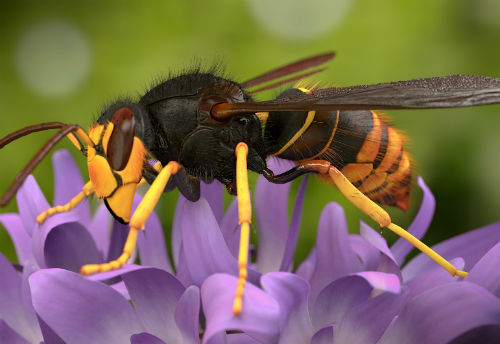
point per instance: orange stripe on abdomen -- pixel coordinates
(369, 150)
(394, 147)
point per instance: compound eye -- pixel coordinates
(122, 139)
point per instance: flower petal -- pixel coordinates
(14, 303)
(323, 336)
(260, 316)
(99, 228)
(366, 322)
(293, 231)
(271, 206)
(151, 242)
(213, 193)
(443, 313)
(20, 238)
(205, 249)
(337, 298)
(145, 338)
(49, 336)
(486, 272)
(306, 268)
(230, 228)
(10, 336)
(187, 315)
(366, 252)
(241, 338)
(80, 310)
(481, 334)
(432, 278)
(119, 233)
(387, 262)
(177, 230)
(291, 292)
(334, 256)
(155, 293)
(68, 183)
(30, 202)
(70, 246)
(419, 226)
(471, 246)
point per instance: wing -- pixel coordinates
(440, 92)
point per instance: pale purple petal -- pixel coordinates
(366, 322)
(387, 262)
(443, 313)
(30, 202)
(432, 278)
(187, 315)
(99, 228)
(49, 336)
(68, 183)
(205, 250)
(293, 231)
(80, 310)
(108, 275)
(214, 195)
(58, 248)
(471, 246)
(382, 281)
(182, 273)
(486, 272)
(271, 211)
(145, 338)
(10, 336)
(368, 254)
(278, 165)
(419, 226)
(336, 299)
(70, 246)
(334, 256)
(260, 316)
(20, 238)
(14, 302)
(291, 292)
(306, 268)
(151, 241)
(176, 241)
(155, 293)
(323, 336)
(119, 233)
(241, 338)
(230, 228)
(481, 334)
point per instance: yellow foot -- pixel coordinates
(90, 269)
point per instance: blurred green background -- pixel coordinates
(62, 60)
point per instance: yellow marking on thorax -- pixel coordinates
(262, 116)
(334, 130)
(307, 123)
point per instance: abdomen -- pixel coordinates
(363, 146)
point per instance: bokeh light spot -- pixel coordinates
(299, 19)
(53, 57)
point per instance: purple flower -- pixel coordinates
(350, 288)
(72, 239)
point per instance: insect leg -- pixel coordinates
(138, 220)
(245, 218)
(373, 210)
(87, 190)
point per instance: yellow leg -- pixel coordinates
(87, 190)
(379, 215)
(138, 220)
(245, 218)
